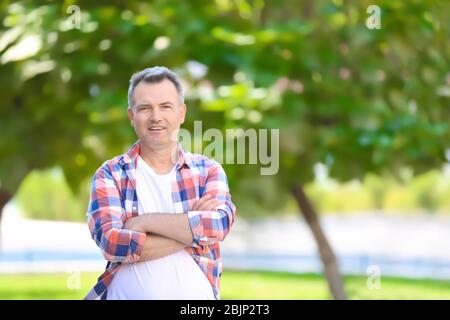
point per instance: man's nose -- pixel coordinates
(155, 116)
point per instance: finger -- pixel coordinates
(196, 204)
(200, 201)
(211, 207)
(207, 204)
(200, 206)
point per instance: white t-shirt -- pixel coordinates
(176, 276)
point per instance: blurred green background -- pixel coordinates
(363, 112)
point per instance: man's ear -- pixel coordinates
(182, 113)
(131, 116)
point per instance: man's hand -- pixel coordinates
(205, 203)
(135, 224)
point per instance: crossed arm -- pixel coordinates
(166, 233)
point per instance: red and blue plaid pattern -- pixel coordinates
(113, 200)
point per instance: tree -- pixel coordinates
(358, 100)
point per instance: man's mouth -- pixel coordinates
(156, 128)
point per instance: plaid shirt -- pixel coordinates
(113, 200)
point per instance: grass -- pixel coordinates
(236, 285)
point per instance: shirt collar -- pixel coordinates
(132, 155)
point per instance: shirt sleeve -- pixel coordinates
(106, 216)
(213, 226)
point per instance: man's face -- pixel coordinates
(156, 113)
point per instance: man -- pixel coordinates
(157, 212)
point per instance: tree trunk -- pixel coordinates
(332, 274)
(5, 196)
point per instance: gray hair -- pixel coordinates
(154, 75)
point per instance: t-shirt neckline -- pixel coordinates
(149, 169)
